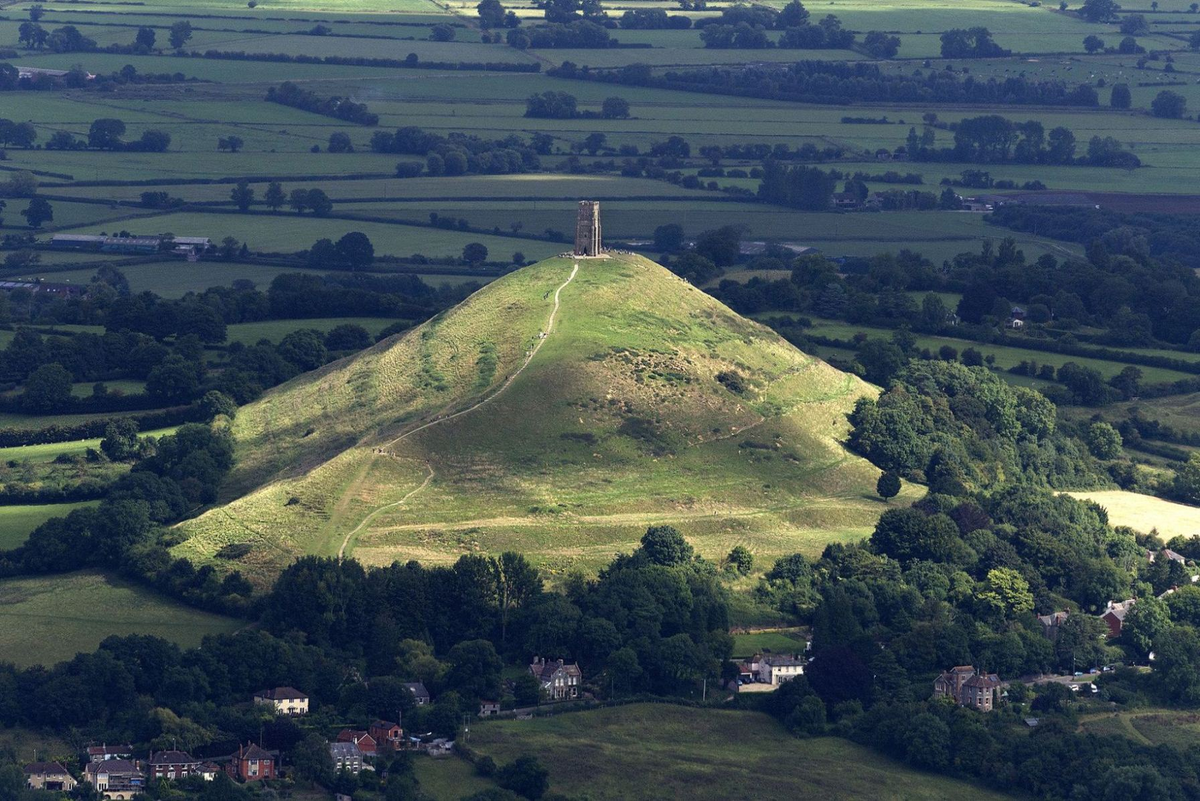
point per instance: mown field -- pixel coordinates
(1146, 512)
(51, 618)
(701, 754)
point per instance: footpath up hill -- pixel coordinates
(646, 401)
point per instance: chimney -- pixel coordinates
(560, 662)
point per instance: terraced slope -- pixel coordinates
(646, 401)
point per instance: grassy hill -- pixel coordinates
(698, 754)
(474, 433)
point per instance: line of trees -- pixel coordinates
(289, 94)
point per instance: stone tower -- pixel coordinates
(587, 229)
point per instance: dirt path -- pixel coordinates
(385, 451)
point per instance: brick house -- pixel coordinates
(967, 687)
(250, 763)
(49, 776)
(388, 736)
(560, 681)
(172, 765)
(1114, 616)
(365, 742)
(115, 779)
(285, 700)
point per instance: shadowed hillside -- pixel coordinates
(647, 401)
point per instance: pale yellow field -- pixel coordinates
(1145, 512)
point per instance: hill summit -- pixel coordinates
(558, 411)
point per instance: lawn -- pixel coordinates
(1146, 512)
(51, 618)
(17, 521)
(703, 754)
(779, 642)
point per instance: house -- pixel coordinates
(883, 154)
(388, 736)
(1051, 623)
(172, 765)
(116, 779)
(346, 756)
(969, 688)
(99, 753)
(285, 700)
(208, 771)
(250, 763)
(365, 742)
(846, 200)
(559, 680)
(1114, 616)
(420, 694)
(1167, 553)
(778, 668)
(772, 669)
(49, 776)
(489, 708)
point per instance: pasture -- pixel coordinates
(17, 521)
(47, 619)
(702, 754)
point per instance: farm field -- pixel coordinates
(780, 642)
(49, 451)
(17, 521)
(275, 330)
(291, 233)
(703, 754)
(1006, 356)
(1151, 726)
(49, 619)
(1145, 512)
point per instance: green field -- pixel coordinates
(780, 642)
(1152, 726)
(702, 754)
(17, 521)
(275, 330)
(51, 618)
(49, 451)
(617, 422)
(1006, 356)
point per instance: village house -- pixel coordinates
(285, 700)
(1114, 616)
(1051, 624)
(489, 709)
(969, 688)
(49, 776)
(99, 753)
(346, 756)
(420, 694)
(1151, 556)
(772, 669)
(250, 763)
(560, 681)
(172, 765)
(388, 736)
(115, 779)
(365, 742)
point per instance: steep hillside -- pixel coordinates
(646, 401)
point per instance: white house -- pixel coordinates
(285, 700)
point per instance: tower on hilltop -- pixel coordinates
(587, 229)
